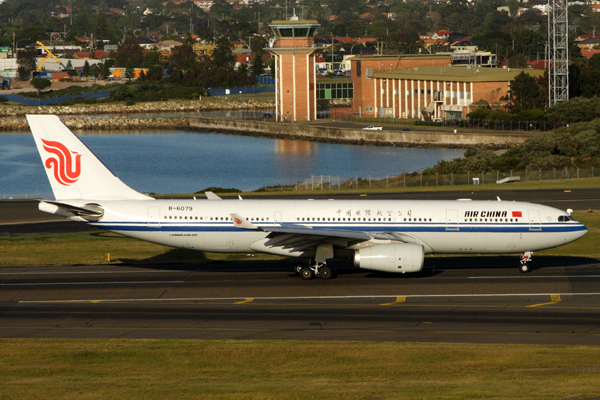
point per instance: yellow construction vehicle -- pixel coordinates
(49, 56)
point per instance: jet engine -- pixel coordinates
(396, 258)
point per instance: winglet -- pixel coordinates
(212, 196)
(242, 223)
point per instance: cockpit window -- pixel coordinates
(565, 218)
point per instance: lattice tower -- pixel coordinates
(558, 51)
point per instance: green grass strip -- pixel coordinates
(227, 369)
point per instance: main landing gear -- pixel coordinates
(525, 258)
(312, 269)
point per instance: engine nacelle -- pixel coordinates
(396, 258)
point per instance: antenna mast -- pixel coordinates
(558, 51)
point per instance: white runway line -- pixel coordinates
(315, 297)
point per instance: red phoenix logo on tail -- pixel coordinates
(65, 172)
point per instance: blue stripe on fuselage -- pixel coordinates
(375, 227)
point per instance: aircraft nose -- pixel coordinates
(581, 233)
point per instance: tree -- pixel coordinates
(258, 66)
(183, 57)
(27, 62)
(129, 50)
(86, 69)
(81, 24)
(594, 61)
(101, 24)
(517, 61)
(525, 93)
(104, 68)
(70, 69)
(40, 84)
(129, 74)
(152, 58)
(223, 53)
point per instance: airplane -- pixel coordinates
(381, 235)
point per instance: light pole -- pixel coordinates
(357, 44)
(16, 46)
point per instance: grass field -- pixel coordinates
(189, 369)
(396, 186)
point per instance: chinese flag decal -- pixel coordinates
(517, 214)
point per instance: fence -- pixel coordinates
(419, 179)
(53, 100)
(33, 195)
(480, 124)
(265, 79)
(241, 90)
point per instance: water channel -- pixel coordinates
(184, 162)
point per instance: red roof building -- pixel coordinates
(587, 53)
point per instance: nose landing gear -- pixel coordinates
(525, 258)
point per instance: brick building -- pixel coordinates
(295, 74)
(425, 87)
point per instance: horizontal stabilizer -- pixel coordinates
(90, 212)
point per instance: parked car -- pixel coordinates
(406, 129)
(373, 128)
(267, 115)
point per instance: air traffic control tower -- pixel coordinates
(295, 76)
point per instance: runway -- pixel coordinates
(557, 304)
(455, 299)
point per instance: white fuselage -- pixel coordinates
(461, 226)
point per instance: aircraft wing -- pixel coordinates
(300, 237)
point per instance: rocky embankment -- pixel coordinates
(111, 115)
(102, 123)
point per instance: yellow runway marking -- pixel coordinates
(555, 299)
(248, 300)
(399, 299)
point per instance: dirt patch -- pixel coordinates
(24, 86)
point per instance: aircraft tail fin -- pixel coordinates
(73, 170)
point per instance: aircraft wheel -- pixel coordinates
(298, 267)
(307, 273)
(325, 273)
(524, 268)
